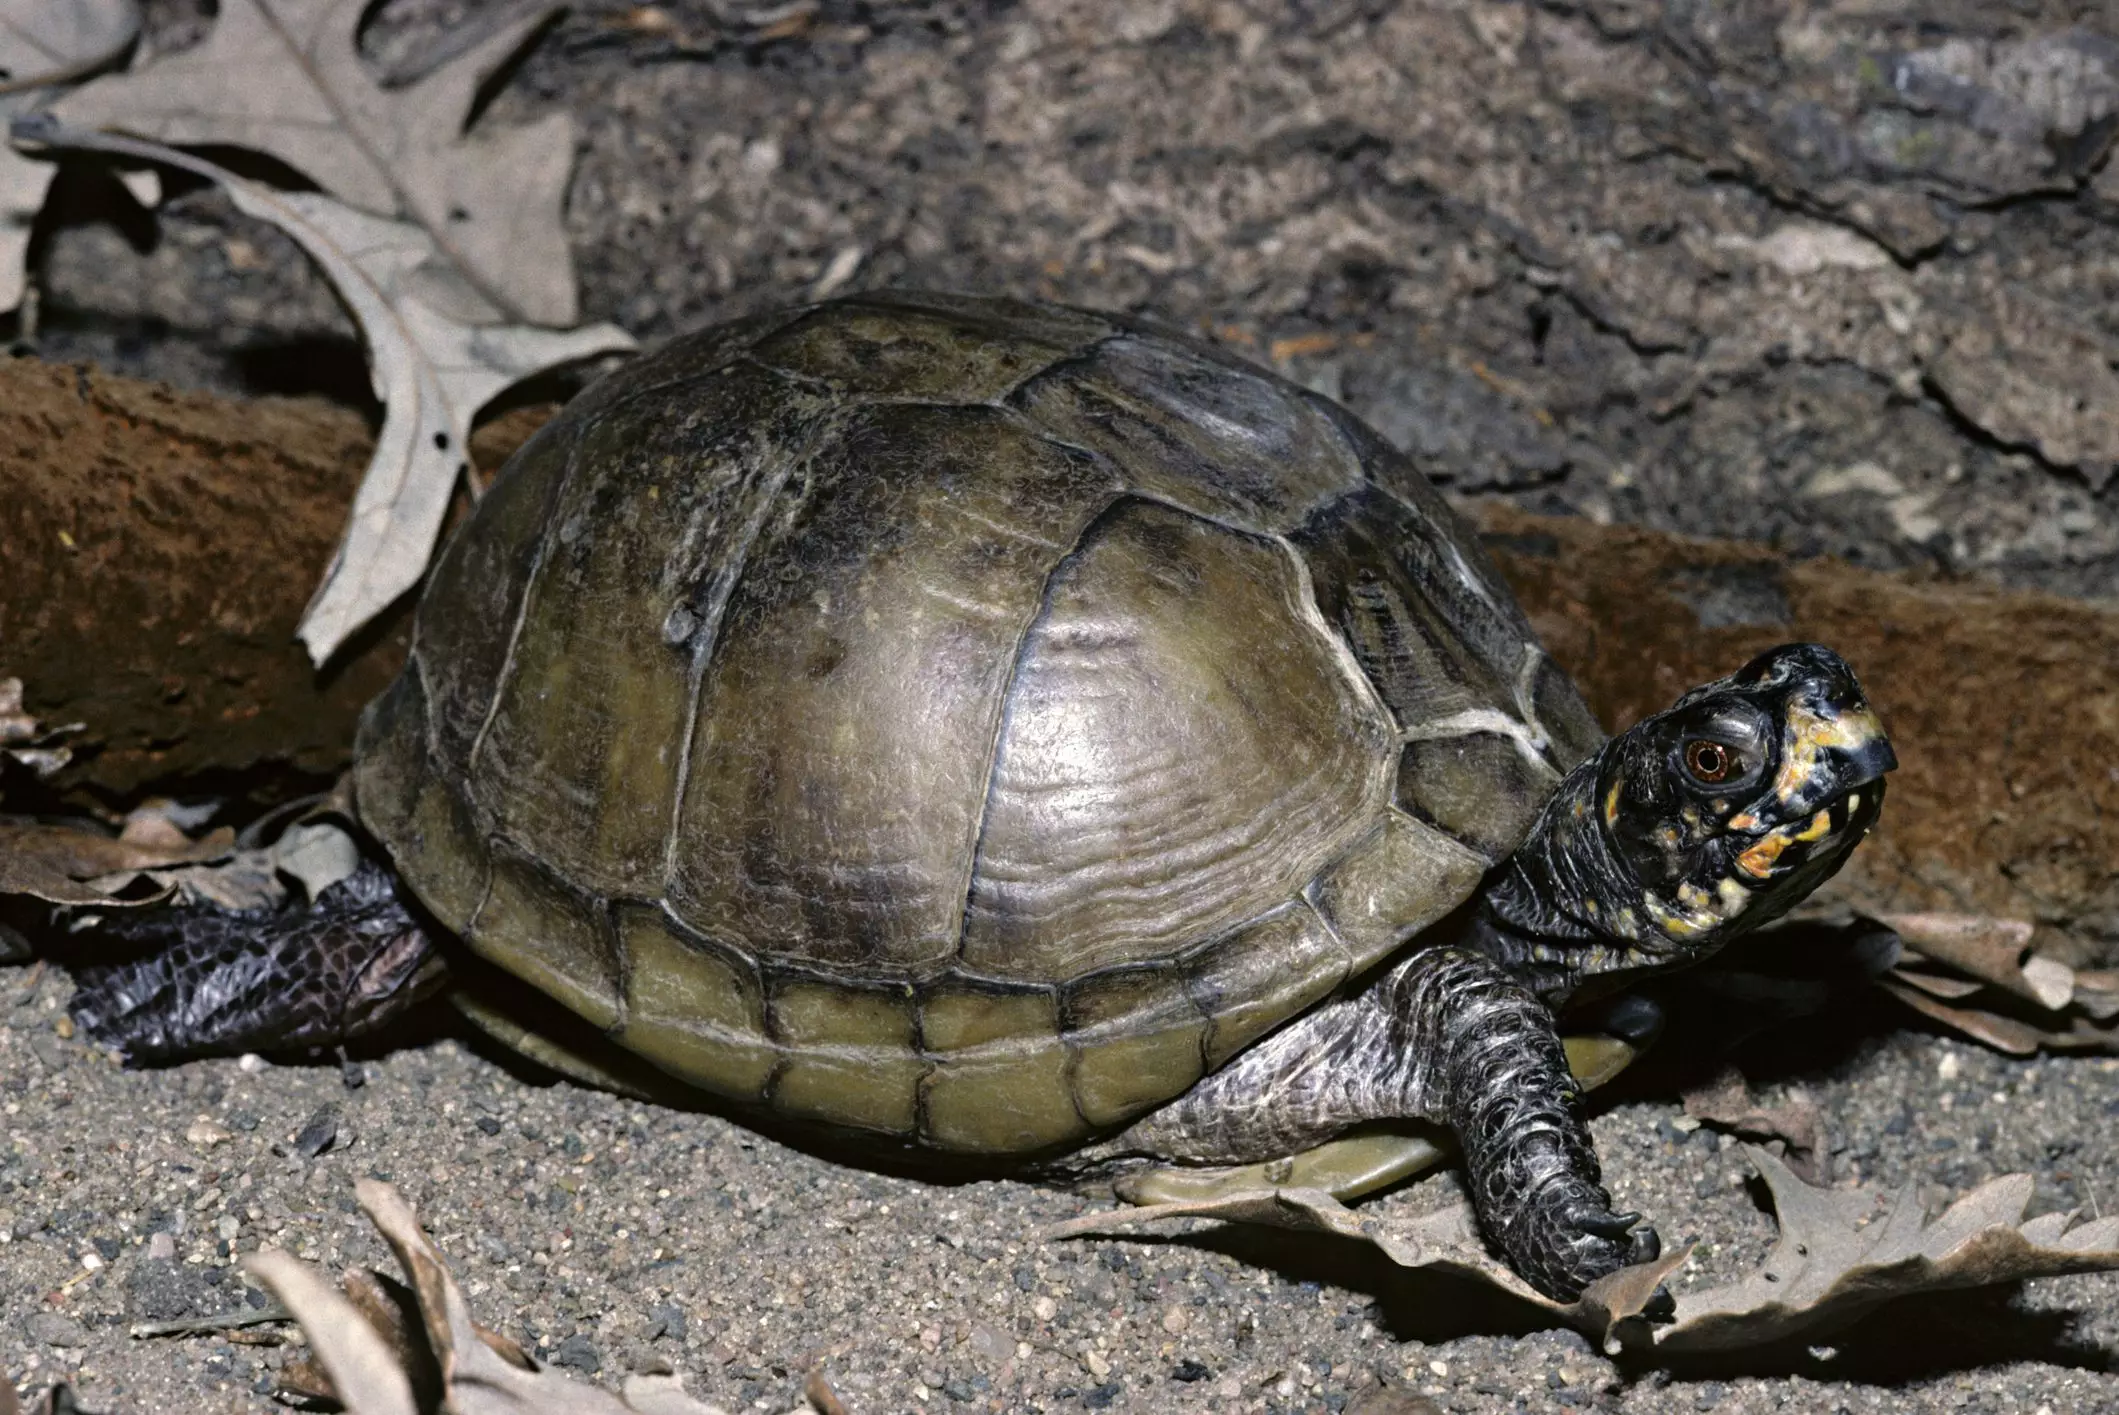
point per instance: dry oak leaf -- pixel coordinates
(65, 866)
(1441, 1240)
(44, 44)
(1827, 1269)
(1726, 1102)
(435, 357)
(1976, 974)
(285, 77)
(370, 1378)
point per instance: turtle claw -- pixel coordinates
(1661, 1309)
(1594, 1218)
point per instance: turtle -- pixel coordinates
(1001, 729)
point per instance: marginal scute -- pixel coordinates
(1261, 975)
(851, 1057)
(1139, 1042)
(390, 760)
(695, 1013)
(1219, 438)
(457, 861)
(1478, 786)
(1185, 747)
(547, 935)
(958, 1019)
(1401, 879)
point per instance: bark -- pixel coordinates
(159, 548)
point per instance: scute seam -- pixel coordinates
(1007, 713)
(707, 637)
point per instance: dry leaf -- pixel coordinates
(433, 367)
(285, 77)
(476, 1379)
(27, 740)
(1726, 1102)
(2080, 1029)
(1442, 1240)
(44, 44)
(61, 865)
(1827, 1269)
(1989, 949)
(1976, 975)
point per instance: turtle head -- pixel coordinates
(1732, 805)
(1694, 825)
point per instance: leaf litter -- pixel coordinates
(285, 77)
(1726, 1102)
(382, 1347)
(448, 247)
(1839, 1254)
(1983, 977)
(432, 360)
(43, 46)
(68, 864)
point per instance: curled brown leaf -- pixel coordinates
(1840, 1253)
(1727, 1103)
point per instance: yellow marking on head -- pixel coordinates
(1853, 802)
(1626, 925)
(1820, 825)
(1692, 896)
(1611, 805)
(1689, 815)
(1590, 905)
(1674, 923)
(1746, 821)
(1733, 897)
(1811, 736)
(1758, 860)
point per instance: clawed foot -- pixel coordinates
(1570, 1238)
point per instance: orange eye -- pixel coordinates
(1709, 761)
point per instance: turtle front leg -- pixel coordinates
(1448, 1036)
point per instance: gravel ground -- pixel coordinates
(607, 1235)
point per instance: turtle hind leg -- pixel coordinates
(201, 981)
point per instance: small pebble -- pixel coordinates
(320, 1134)
(206, 1132)
(56, 1329)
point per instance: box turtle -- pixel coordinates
(1002, 728)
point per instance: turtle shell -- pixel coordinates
(964, 719)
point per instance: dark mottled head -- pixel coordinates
(1696, 824)
(1733, 804)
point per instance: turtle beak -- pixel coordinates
(1826, 755)
(1832, 745)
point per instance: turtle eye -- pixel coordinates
(1709, 761)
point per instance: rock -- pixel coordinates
(56, 1329)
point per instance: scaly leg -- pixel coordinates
(1448, 1036)
(200, 981)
